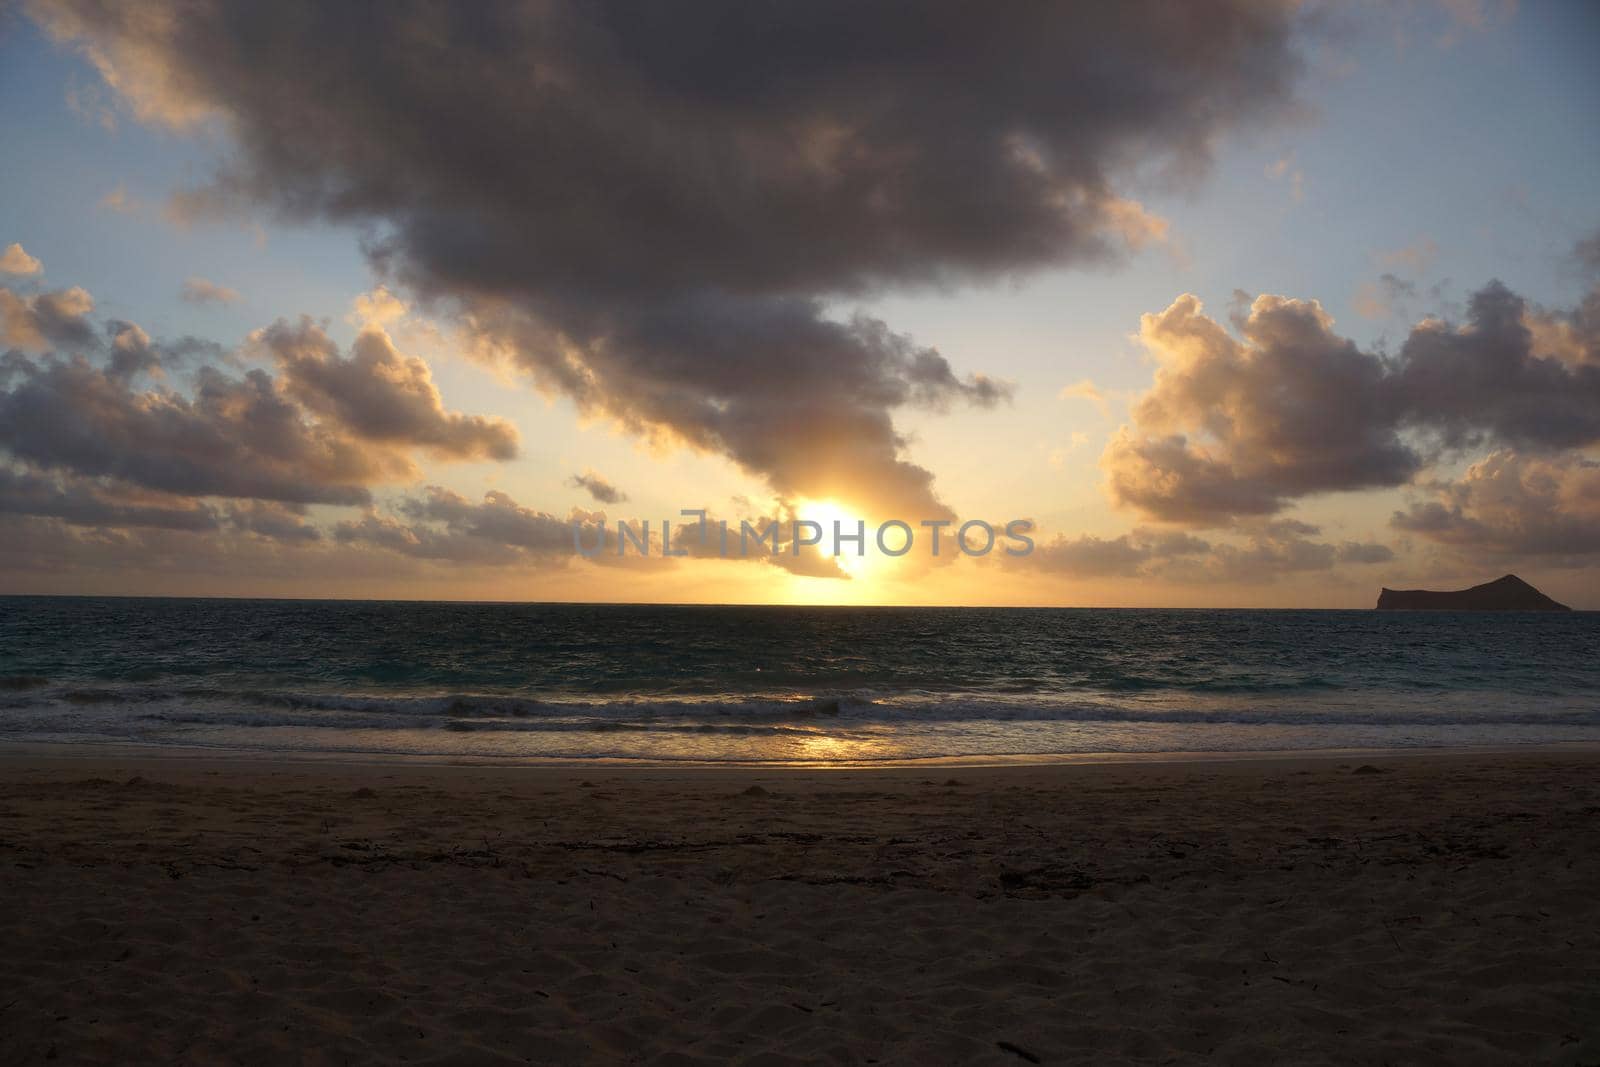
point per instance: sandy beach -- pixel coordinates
(1348, 909)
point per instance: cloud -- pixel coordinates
(497, 532)
(1381, 299)
(602, 490)
(1242, 426)
(1570, 336)
(1126, 556)
(273, 521)
(379, 307)
(1486, 380)
(102, 452)
(1415, 258)
(443, 525)
(87, 502)
(1475, 16)
(15, 260)
(90, 103)
(810, 561)
(50, 555)
(1085, 389)
(119, 201)
(1509, 505)
(237, 437)
(1265, 552)
(200, 291)
(671, 208)
(322, 431)
(1274, 549)
(1364, 552)
(132, 351)
(1284, 167)
(43, 321)
(1586, 252)
(497, 518)
(377, 393)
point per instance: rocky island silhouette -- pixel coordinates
(1509, 593)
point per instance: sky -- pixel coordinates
(1243, 304)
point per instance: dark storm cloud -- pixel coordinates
(656, 208)
(1243, 426)
(790, 395)
(597, 487)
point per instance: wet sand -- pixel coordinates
(1350, 909)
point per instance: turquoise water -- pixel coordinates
(779, 683)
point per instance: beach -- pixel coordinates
(1344, 908)
(577, 532)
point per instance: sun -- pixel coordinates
(869, 576)
(825, 513)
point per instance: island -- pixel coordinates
(1503, 594)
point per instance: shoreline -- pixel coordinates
(73, 751)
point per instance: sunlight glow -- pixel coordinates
(825, 513)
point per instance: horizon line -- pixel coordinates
(726, 604)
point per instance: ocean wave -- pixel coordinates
(22, 681)
(799, 712)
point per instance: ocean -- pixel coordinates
(539, 682)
